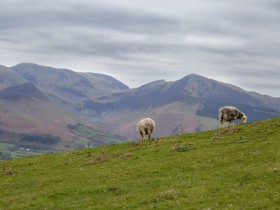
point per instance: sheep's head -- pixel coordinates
(244, 119)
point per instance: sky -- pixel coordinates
(140, 41)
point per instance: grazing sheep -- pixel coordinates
(145, 127)
(229, 114)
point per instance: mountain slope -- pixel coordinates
(229, 168)
(23, 91)
(26, 109)
(9, 77)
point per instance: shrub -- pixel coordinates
(40, 138)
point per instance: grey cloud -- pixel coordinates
(82, 14)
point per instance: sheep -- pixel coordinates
(229, 114)
(145, 127)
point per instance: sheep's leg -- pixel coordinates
(144, 135)
(221, 120)
(222, 123)
(148, 132)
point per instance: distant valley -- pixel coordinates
(88, 109)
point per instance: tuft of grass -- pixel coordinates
(235, 167)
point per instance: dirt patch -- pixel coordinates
(108, 156)
(228, 130)
(181, 148)
(103, 158)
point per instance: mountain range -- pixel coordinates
(37, 99)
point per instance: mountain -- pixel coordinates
(38, 100)
(66, 86)
(89, 108)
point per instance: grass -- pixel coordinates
(236, 167)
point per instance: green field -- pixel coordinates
(236, 167)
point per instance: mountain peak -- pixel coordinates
(154, 84)
(194, 76)
(194, 85)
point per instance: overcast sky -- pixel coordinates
(139, 41)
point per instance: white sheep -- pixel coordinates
(230, 113)
(145, 127)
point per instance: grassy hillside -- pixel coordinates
(230, 168)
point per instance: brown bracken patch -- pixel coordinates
(10, 171)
